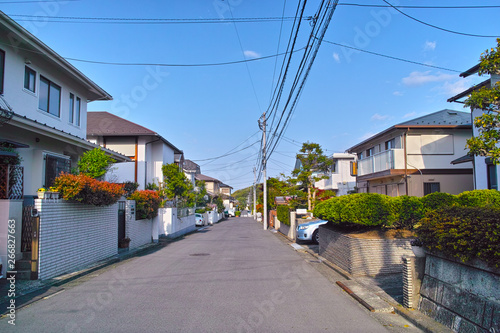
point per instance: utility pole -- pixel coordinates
(254, 194)
(262, 126)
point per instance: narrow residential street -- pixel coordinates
(230, 277)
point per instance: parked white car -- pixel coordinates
(309, 231)
(199, 219)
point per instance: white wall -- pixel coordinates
(73, 235)
(171, 226)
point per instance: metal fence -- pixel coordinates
(11, 181)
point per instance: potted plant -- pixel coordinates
(54, 194)
(123, 243)
(41, 193)
(417, 248)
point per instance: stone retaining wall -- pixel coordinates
(360, 256)
(464, 297)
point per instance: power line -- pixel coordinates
(436, 27)
(416, 7)
(227, 154)
(154, 64)
(391, 57)
(130, 20)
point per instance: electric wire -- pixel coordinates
(417, 7)
(436, 27)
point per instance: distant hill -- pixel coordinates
(242, 195)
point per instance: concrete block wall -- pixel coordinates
(172, 226)
(360, 256)
(140, 232)
(74, 235)
(463, 297)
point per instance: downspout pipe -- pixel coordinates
(406, 160)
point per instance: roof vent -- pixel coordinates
(452, 113)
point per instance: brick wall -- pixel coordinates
(140, 232)
(360, 256)
(74, 235)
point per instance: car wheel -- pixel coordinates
(315, 237)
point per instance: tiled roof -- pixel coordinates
(206, 178)
(104, 123)
(190, 165)
(443, 117)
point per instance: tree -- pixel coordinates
(176, 183)
(487, 99)
(313, 166)
(95, 163)
(200, 194)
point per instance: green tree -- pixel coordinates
(487, 99)
(176, 185)
(94, 163)
(313, 166)
(200, 194)
(220, 204)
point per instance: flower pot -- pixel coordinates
(41, 195)
(418, 251)
(124, 243)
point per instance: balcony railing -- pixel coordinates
(386, 160)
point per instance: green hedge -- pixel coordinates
(406, 211)
(463, 232)
(479, 198)
(283, 214)
(438, 200)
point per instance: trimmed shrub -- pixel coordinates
(283, 214)
(479, 198)
(87, 190)
(147, 203)
(406, 211)
(438, 200)
(463, 232)
(129, 188)
(331, 209)
(237, 213)
(366, 209)
(200, 211)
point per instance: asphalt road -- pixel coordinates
(231, 277)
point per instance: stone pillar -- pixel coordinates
(413, 274)
(292, 233)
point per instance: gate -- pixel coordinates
(29, 235)
(121, 220)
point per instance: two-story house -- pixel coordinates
(147, 149)
(191, 169)
(485, 172)
(415, 157)
(212, 185)
(43, 106)
(340, 180)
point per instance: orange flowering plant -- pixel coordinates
(89, 191)
(147, 203)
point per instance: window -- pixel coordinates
(491, 172)
(390, 144)
(74, 109)
(2, 69)
(71, 107)
(360, 156)
(29, 79)
(49, 99)
(431, 188)
(77, 111)
(369, 152)
(54, 165)
(333, 167)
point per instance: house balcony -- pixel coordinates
(326, 184)
(386, 160)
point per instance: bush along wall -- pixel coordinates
(147, 203)
(464, 233)
(86, 190)
(283, 214)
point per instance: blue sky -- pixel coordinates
(209, 111)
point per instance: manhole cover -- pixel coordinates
(199, 254)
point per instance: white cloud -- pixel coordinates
(409, 115)
(454, 88)
(336, 57)
(397, 93)
(251, 54)
(429, 46)
(378, 117)
(420, 78)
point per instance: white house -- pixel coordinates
(485, 172)
(340, 178)
(147, 149)
(191, 169)
(416, 157)
(43, 116)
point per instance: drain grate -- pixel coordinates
(199, 254)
